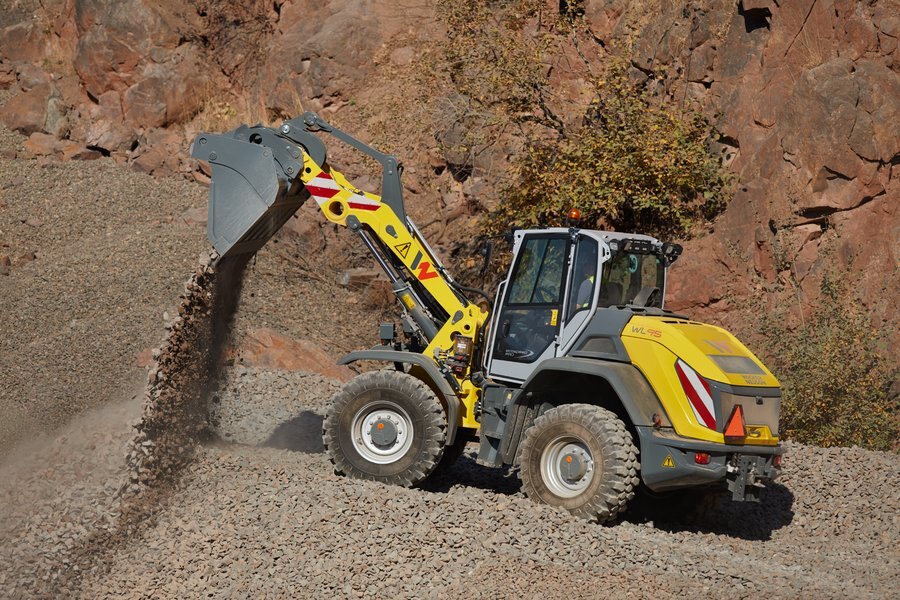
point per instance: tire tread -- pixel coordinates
(423, 400)
(620, 478)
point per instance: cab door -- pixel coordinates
(583, 291)
(528, 320)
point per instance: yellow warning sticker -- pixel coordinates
(554, 317)
(669, 461)
(402, 249)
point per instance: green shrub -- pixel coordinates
(836, 378)
(633, 166)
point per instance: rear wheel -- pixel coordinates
(385, 426)
(581, 458)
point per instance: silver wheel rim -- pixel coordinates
(555, 478)
(366, 419)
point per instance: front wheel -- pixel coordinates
(581, 458)
(385, 426)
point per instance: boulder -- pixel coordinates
(102, 124)
(271, 350)
(160, 152)
(26, 112)
(194, 216)
(23, 42)
(74, 151)
(7, 75)
(29, 75)
(42, 144)
(166, 93)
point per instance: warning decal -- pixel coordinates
(402, 249)
(669, 461)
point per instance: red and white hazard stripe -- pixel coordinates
(697, 390)
(363, 203)
(323, 188)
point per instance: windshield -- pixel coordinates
(539, 273)
(625, 274)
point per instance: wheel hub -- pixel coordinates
(383, 432)
(567, 466)
(573, 466)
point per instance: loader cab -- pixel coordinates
(557, 281)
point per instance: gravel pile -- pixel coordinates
(268, 522)
(97, 257)
(119, 497)
(59, 496)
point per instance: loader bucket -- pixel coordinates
(250, 197)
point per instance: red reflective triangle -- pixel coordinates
(735, 427)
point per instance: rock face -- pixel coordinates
(805, 93)
(110, 74)
(809, 98)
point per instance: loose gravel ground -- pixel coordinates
(109, 260)
(257, 521)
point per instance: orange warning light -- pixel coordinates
(574, 214)
(735, 432)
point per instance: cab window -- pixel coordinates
(626, 273)
(530, 316)
(584, 277)
(539, 272)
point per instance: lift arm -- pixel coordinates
(261, 176)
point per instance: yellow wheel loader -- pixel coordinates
(578, 376)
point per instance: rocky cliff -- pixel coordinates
(808, 98)
(805, 92)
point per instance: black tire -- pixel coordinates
(390, 398)
(605, 472)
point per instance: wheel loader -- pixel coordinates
(578, 376)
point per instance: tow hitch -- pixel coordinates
(747, 476)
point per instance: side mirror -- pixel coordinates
(671, 252)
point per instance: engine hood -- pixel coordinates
(711, 351)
